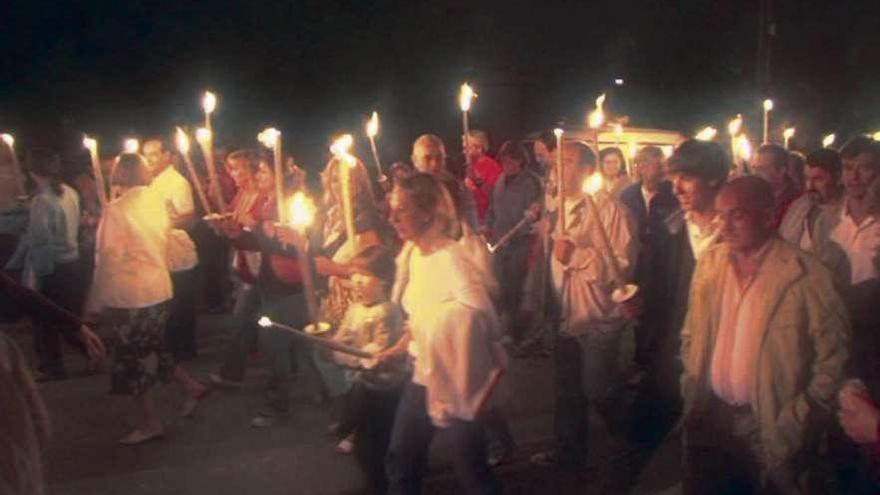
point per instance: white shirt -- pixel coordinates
(861, 243)
(131, 267)
(178, 198)
(700, 241)
(647, 196)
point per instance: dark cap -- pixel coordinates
(702, 159)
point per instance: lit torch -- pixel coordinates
(372, 131)
(302, 214)
(345, 162)
(209, 104)
(205, 138)
(271, 138)
(560, 189)
(466, 97)
(9, 140)
(787, 135)
(733, 128)
(828, 140)
(743, 152)
(131, 145)
(91, 144)
(707, 133)
(768, 106)
(596, 119)
(182, 141)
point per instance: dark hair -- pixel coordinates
(46, 163)
(778, 153)
(704, 160)
(586, 157)
(515, 151)
(376, 261)
(424, 189)
(826, 159)
(548, 138)
(614, 150)
(163, 143)
(873, 150)
(251, 156)
(855, 146)
(130, 170)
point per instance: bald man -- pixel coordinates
(764, 346)
(429, 156)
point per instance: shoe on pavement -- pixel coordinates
(218, 380)
(346, 445)
(138, 437)
(191, 403)
(552, 459)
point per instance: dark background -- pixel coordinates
(314, 68)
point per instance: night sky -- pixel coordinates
(314, 68)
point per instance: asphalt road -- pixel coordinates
(218, 452)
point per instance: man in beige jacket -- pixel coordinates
(764, 347)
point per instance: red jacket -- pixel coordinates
(487, 171)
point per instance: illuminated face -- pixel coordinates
(858, 174)
(611, 165)
(542, 154)
(265, 178)
(821, 185)
(743, 227)
(238, 169)
(368, 290)
(475, 148)
(429, 158)
(764, 168)
(693, 193)
(409, 222)
(157, 158)
(572, 172)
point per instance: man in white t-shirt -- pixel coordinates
(180, 337)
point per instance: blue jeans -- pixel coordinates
(244, 317)
(411, 437)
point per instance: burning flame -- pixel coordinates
(788, 133)
(597, 116)
(90, 144)
(302, 210)
(465, 97)
(182, 141)
(209, 102)
(203, 135)
(828, 140)
(8, 139)
(373, 125)
(743, 147)
(734, 126)
(342, 145)
(768, 105)
(269, 137)
(558, 132)
(593, 184)
(264, 322)
(876, 136)
(706, 134)
(633, 148)
(131, 145)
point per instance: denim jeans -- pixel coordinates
(244, 318)
(411, 437)
(289, 310)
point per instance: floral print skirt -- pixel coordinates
(141, 360)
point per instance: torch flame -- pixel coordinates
(597, 116)
(706, 134)
(373, 125)
(203, 135)
(302, 210)
(768, 105)
(90, 144)
(558, 132)
(828, 140)
(743, 147)
(8, 139)
(341, 145)
(264, 322)
(593, 184)
(788, 133)
(465, 97)
(269, 137)
(209, 102)
(131, 145)
(182, 141)
(876, 136)
(734, 126)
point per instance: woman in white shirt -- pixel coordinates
(132, 289)
(445, 287)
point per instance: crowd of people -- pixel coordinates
(753, 322)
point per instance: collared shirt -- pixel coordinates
(177, 195)
(648, 196)
(861, 244)
(131, 265)
(700, 240)
(738, 340)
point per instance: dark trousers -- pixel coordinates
(63, 287)
(511, 270)
(244, 317)
(180, 332)
(722, 455)
(411, 437)
(571, 415)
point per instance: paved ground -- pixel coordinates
(218, 452)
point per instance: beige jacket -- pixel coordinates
(802, 356)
